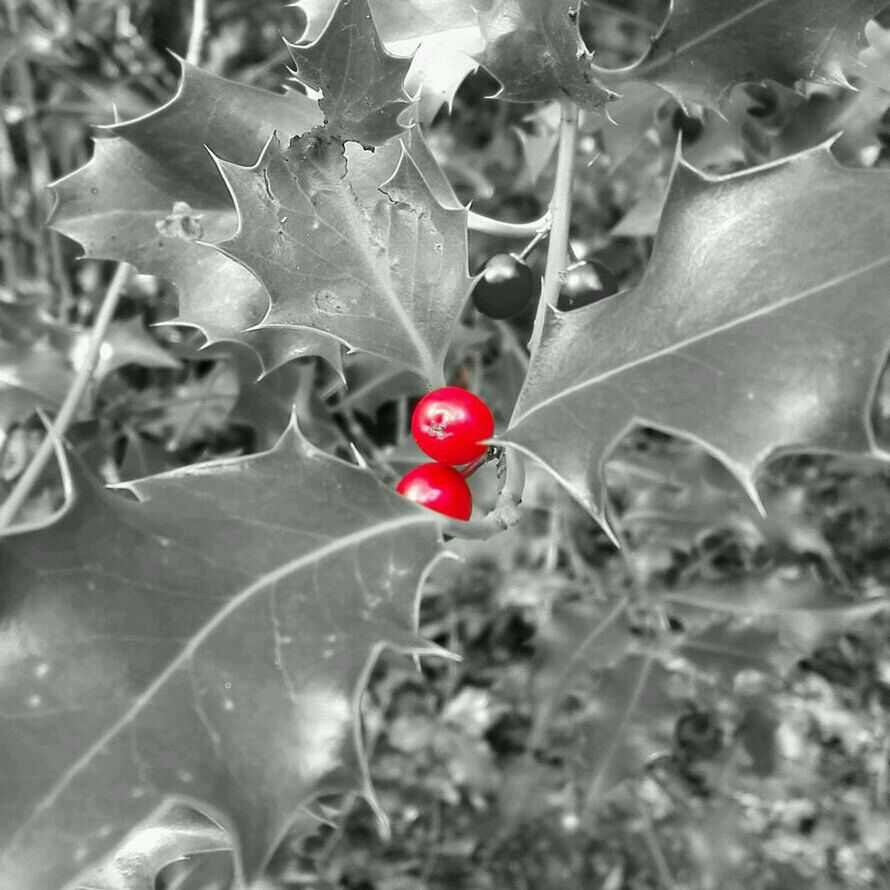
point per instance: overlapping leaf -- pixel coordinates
(385, 273)
(362, 85)
(797, 603)
(120, 206)
(628, 707)
(126, 343)
(629, 720)
(440, 39)
(761, 324)
(170, 836)
(207, 642)
(706, 47)
(31, 377)
(576, 640)
(534, 48)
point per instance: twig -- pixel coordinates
(477, 464)
(7, 176)
(506, 509)
(560, 213)
(26, 482)
(488, 226)
(39, 166)
(539, 237)
(199, 29)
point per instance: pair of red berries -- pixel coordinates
(449, 425)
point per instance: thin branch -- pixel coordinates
(26, 482)
(665, 879)
(560, 213)
(506, 511)
(7, 177)
(39, 167)
(199, 29)
(488, 226)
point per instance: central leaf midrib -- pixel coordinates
(631, 706)
(646, 69)
(359, 232)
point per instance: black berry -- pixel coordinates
(506, 287)
(585, 282)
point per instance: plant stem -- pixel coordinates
(26, 482)
(533, 244)
(199, 29)
(39, 166)
(488, 226)
(7, 179)
(560, 214)
(665, 878)
(506, 510)
(477, 464)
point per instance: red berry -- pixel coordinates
(439, 488)
(449, 423)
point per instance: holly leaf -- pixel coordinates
(126, 343)
(577, 639)
(726, 341)
(630, 719)
(362, 85)
(534, 48)
(728, 647)
(151, 195)
(875, 58)
(31, 377)
(631, 115)
(802, 607)
(385, 273)
(207, 643)
(705, 48)
(440, 39)
(372, 382)
(266, 404)
(169, 837)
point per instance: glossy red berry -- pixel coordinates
(449, 423)
(506, 287)
(584, 283)
(438, 487)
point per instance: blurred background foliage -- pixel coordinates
(769, 782)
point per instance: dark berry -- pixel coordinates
(506, 287)
(584, 283)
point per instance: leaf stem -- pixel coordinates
(199, 29)
(488, 226)
(26, 482)
(560, 214)
(477, 464)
